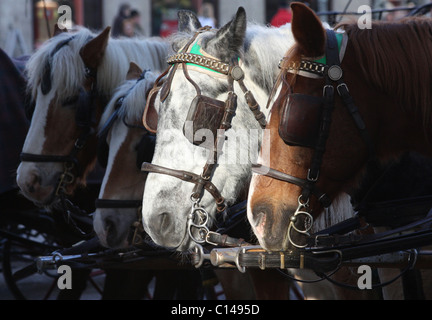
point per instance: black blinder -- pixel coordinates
(103, 148)
(29, 107)
(84, 112)
(102, 151)
(300, 120)
(46, 84)
(204, 113)
(145, 150)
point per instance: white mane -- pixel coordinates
(67, 67)
(257, 39)
(340, 210)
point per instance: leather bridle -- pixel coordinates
(332, 73)
(199, 218)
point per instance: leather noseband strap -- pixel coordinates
(188, 177)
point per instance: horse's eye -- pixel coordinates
(70, 101)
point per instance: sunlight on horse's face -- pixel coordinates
(122, 181)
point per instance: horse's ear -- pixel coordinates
(57, 30)
(229, 39)
(188, 21)
(134, 71)
(93, 52)
(307, 30)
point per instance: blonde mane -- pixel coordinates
(67, 67)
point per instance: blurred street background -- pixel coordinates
(25, 24)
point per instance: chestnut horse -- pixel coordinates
(388, 72)
(70, 79)
(388, 113)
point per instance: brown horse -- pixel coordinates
(124, 145)
(71, 78)
(388, 71)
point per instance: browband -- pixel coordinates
(213, 64)
(315, 67)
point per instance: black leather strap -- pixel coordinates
(302, 183)
(188, 177)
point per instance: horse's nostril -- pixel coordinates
(165, 221)
(259, 218)
(111, 232)
(110, 226)
(259, 213)
(33, 182)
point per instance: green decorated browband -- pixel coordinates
(316, 66)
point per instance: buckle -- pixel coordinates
(345, 88)
(310, 179)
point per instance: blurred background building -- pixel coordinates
(25, 24)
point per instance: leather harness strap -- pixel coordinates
(302, 183)
(188, 177)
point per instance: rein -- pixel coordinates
(199, 218)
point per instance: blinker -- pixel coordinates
(84, 113)
(204, 113)
(300, 120)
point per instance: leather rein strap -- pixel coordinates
(188, 177)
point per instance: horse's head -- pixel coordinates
(67, 106)
(315, 146)
(124, 145)
(191, 107)
(337, 108)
